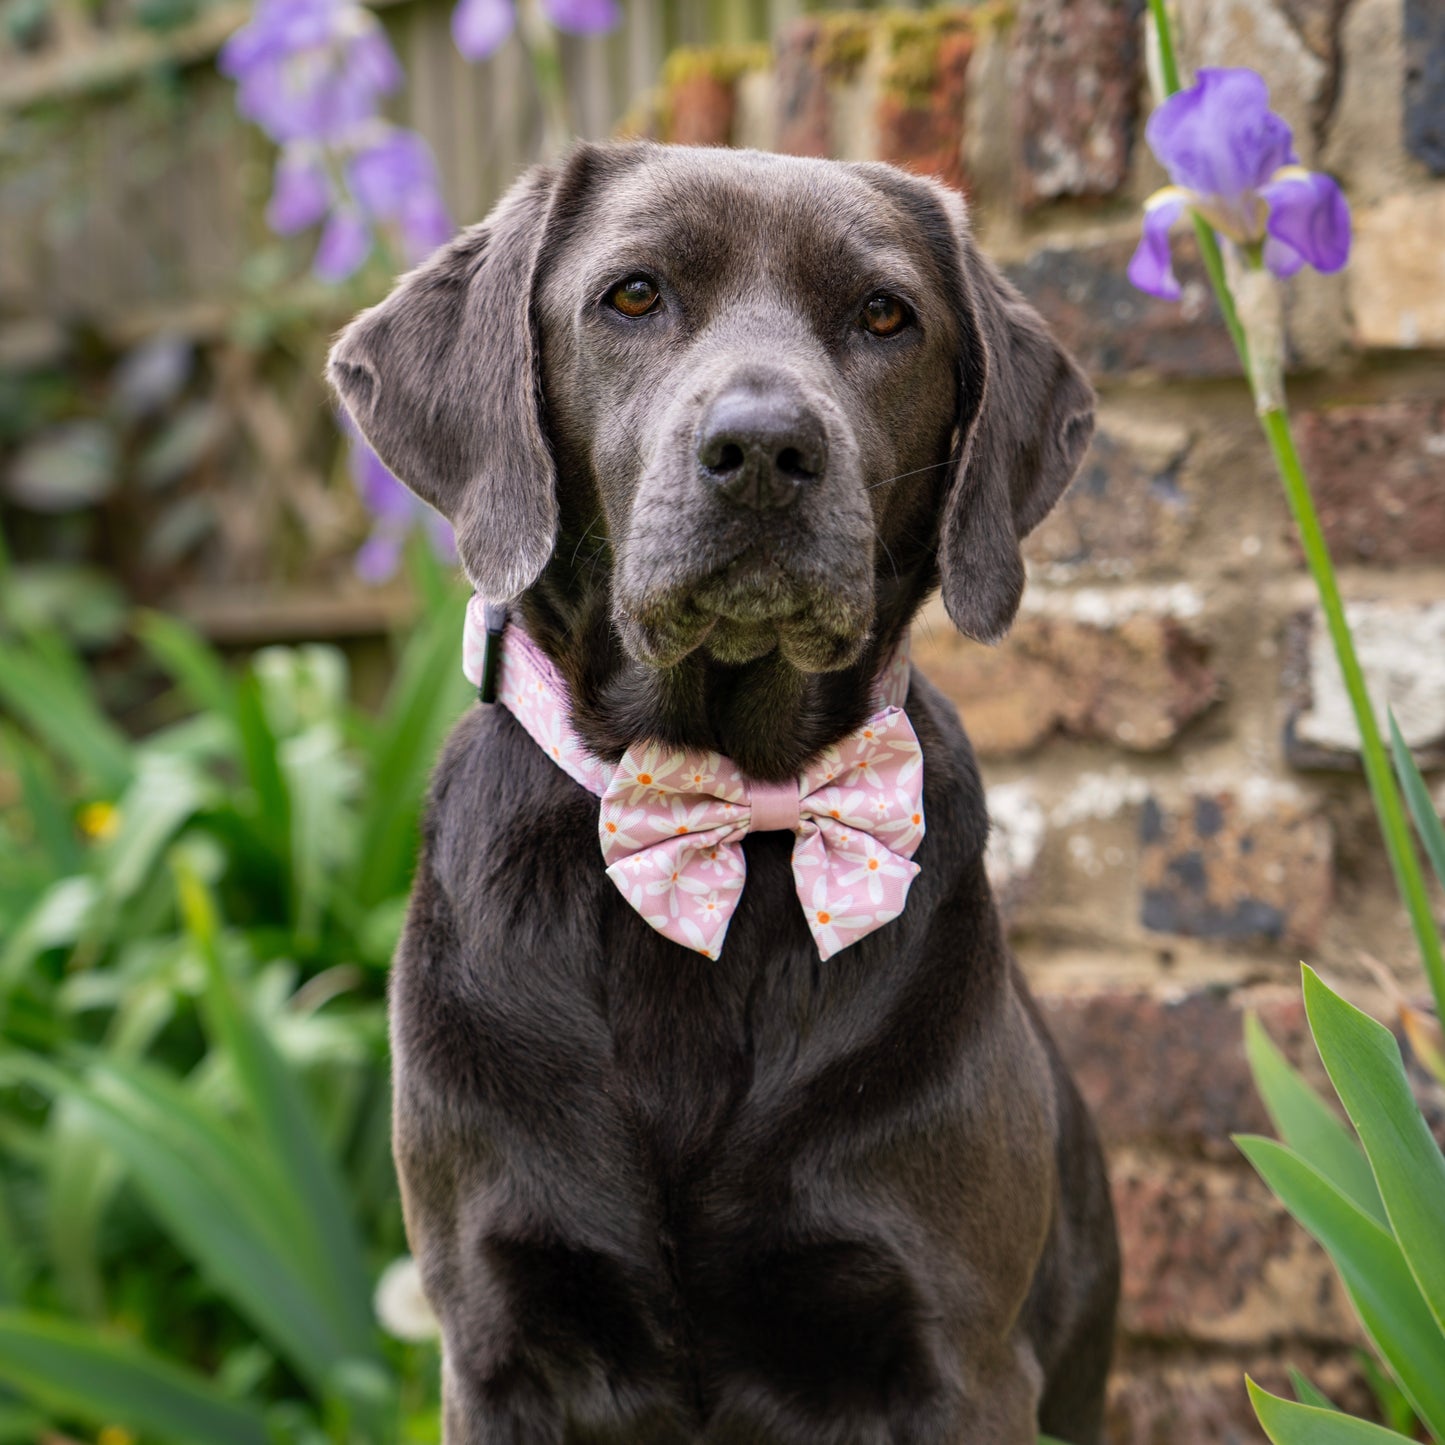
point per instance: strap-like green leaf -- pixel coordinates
(1422, 806)
(1374, 1273)
(1289, 1424)
(1364, 1064)
(1307, 1124)
(1307, 1394)
(326, 1231)
(81, 1373)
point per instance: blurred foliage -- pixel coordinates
(196, 1192)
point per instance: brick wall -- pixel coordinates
(1179, 813)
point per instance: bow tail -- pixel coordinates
(846, 895)
(687, 889)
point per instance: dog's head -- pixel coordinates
(772, 387)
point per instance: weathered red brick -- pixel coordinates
(1126, 513)
(1401, 647)
(919, 115)
(1075, 68)
(1378, 473)
(815, 54)
(1211, 1256)
(1171, 1071)
(1134, 682)
(701, 107)
(1203, 1401)
(1216, 868)
(1115, 329)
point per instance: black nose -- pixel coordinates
(760, 449)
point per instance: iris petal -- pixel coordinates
(345, 244)
(1309, 214)
(1280, 258)
(480, 26)
(300, 194)
(1151, 268)
(1220, 137)
(582, 17)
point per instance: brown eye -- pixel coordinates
(883, 314)
(636, 296)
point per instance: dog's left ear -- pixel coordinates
(442, 380)
(1026, 416)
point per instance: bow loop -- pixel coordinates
(672, 825)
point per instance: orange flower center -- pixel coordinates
(612, 827)
(825, 918)
(644, 778)
(873, 864)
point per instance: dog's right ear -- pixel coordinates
(442, 380)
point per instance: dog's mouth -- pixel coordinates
(739, 610)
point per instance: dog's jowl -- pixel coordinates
(722, 1112)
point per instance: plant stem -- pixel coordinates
(1389, 808)
(1388, 805)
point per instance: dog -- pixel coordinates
(715, 424)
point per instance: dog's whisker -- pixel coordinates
(931, 467)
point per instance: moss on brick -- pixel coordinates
(723, 63)
(909, 41)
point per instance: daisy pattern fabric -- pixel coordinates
(672, 821)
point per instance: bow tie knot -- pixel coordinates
(673, 821)
(672, 825)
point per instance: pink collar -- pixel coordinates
(672, 820)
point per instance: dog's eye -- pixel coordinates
(883, 315)
(635, 297)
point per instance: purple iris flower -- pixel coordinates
(394, 180)
(1232, 161)
(479, 27)
(394, 512)
(312, 74)
(310, 69)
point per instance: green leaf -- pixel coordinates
(1364, 1064)
(41, 685)
(1307, 1124)
(1306, 1393)
(1289, 1424)
(1417, 795)
(322, 1213)
(79, 1372)
(222, 1203)
(196, 669)
(426, 698)
(45, 801)
(1373, 1270)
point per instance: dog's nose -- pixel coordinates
(760, 450)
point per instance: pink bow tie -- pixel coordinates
(673, 821)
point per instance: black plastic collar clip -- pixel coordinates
(494, 615)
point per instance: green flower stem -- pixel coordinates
(1388, 805)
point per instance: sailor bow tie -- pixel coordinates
(672, 820)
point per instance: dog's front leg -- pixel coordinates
(501, 1406)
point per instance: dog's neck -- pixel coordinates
(766, 716)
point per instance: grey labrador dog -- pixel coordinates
(719, 422)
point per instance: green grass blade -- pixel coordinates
(1307, 1124)
(1417, 796)
(1289, 1424)
(79, 1372)
(282, 1114)
(191, 664)
(1364, 1064)
(46, 803)
(222, 1204)
(40, 689)
(1307, 1394)
(426, 698)
(1375, 1275)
